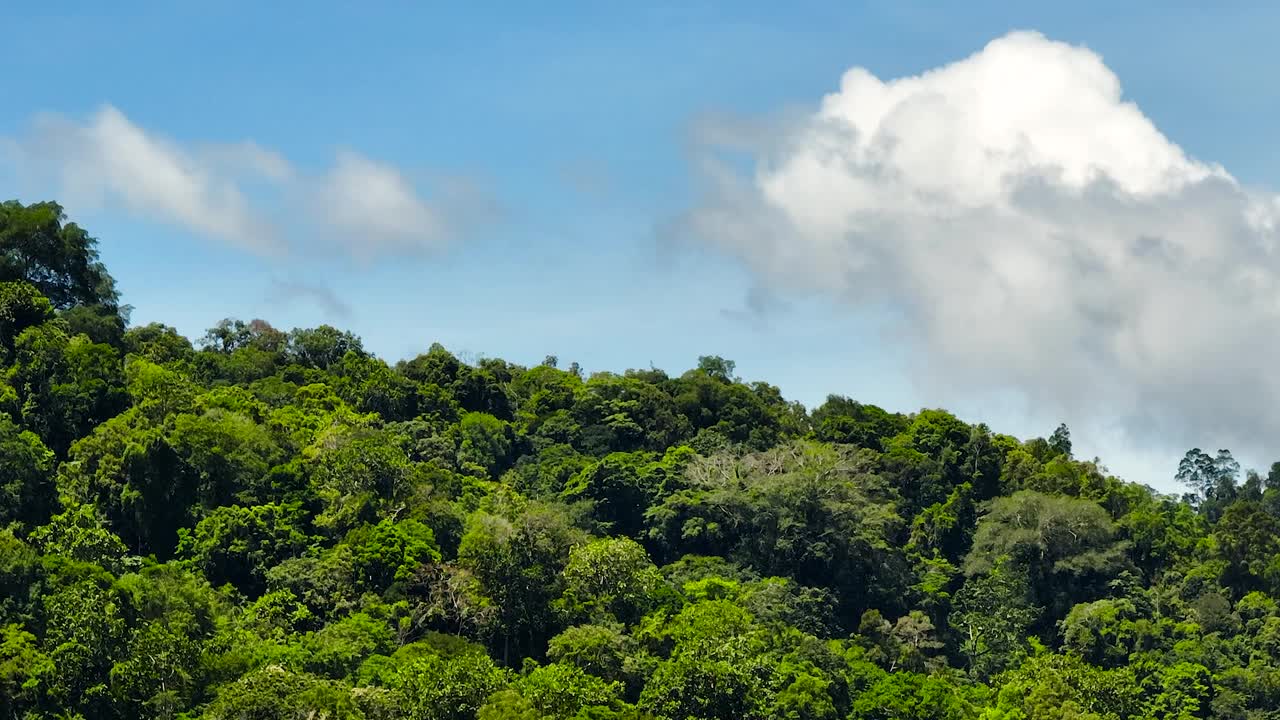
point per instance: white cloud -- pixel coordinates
(110, 160)
(375, 208)
(241, 193)
(1028, 229)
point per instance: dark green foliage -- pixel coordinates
(59, 258)
(277, 524)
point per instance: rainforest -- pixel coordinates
(266, 523)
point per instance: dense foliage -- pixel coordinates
(273, 524)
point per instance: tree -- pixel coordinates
(21, 307)
(322, 347)
(612, 577)
(24, 669)
(276, 692)
(623, 486)
(1060, 441)
(842, 420)
(1066, 546)
(79, 534)
(67, 384)
(555, 692)
(1211, 477)
(604, 651)
(715, 689)
(236, 544)
(519, 563)
(283, 525)
(59, 258)
(912, 696)
(1248, 539)
(717, 367)
(449, 688)
(391, 552)
(815, 513)
(27, 492)
(992, 617)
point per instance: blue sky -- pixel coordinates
(573, 122)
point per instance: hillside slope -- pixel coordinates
(275, 524)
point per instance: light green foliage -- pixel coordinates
(1104, 632)
(604, 651)
(841, 420)
(21, 306)
(611, 577)
(555, 692)
(84, 632)
(157, 343)
(67, 383)
(716, 689)
(226, 453)
(24, 670)
(127, 470)
(338, 649)
(911, 696)
(274, 692)
(449, 688)
(519, 564)
(390, 552)
(623, 486)
(79, 534)
(158, 391)
(1067, 688)
(484, 442)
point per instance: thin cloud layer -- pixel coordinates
(1027, 229)
(240, 193)
(376, 206)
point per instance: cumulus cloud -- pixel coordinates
(241, 193)
(1027, 228)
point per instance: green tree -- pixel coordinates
(27, 491)
(59, 258)
(519, 563)
(555, 692)
(992, 618)
(236, 544)
(612, 577)
(21, 307)
(1068, 547)
(449, 688)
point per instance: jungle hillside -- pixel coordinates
(263, 523)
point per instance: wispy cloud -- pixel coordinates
(1028, 229)
(108, 159)
(374, 208)
(237, 192)
(758, 308)
(289, 291)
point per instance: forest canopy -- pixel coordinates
(279, 524)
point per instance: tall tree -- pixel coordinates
(58, 257)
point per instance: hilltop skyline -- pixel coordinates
(642, 185)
